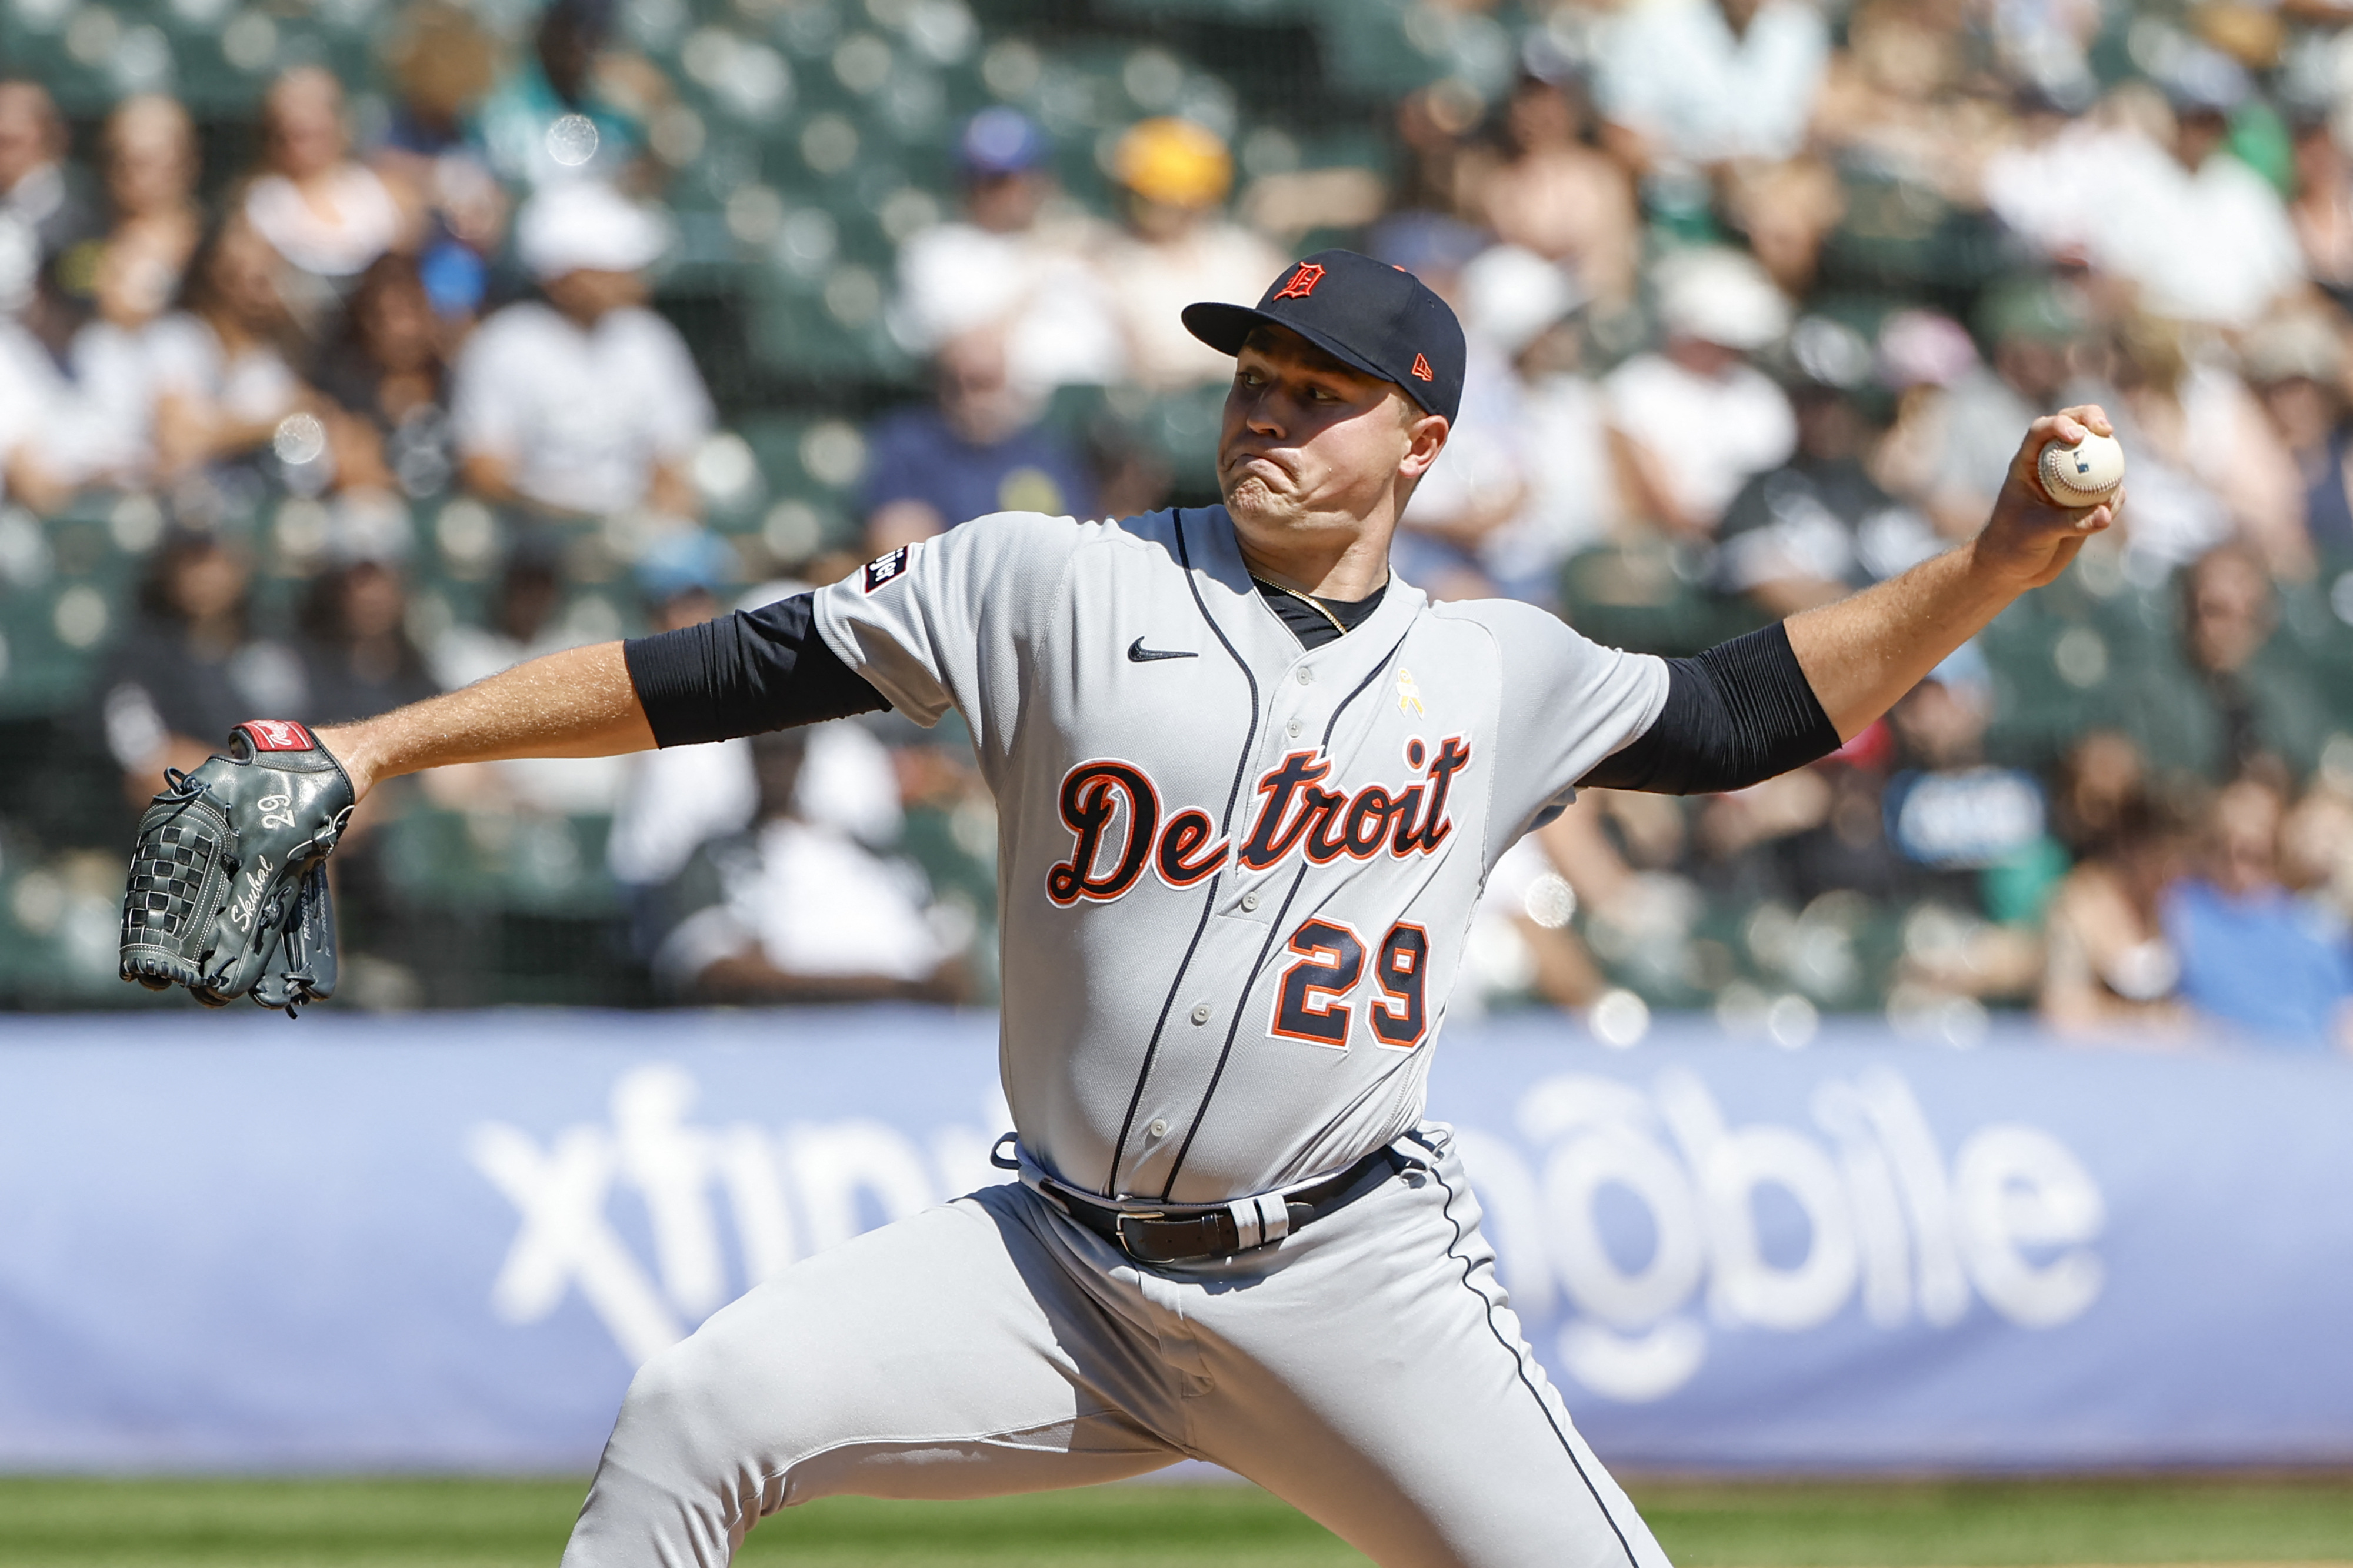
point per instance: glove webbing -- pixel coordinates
(167, 883)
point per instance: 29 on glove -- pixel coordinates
(228, 882)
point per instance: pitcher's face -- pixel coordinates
(1311, 444)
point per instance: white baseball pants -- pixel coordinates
(1366, 1369)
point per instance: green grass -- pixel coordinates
(1999, 1524)
(431, 1523)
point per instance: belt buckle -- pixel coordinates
(1119, 1229)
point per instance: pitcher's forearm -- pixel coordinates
(577, 703)
(1860, 654)
(1863, 652)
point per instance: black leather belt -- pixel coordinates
(1194, 1234)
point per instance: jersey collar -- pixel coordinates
(1234, 604)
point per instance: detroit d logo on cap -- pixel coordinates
(1302, 282)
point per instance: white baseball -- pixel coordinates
(2085, 473)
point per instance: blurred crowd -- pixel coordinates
(1759, 296)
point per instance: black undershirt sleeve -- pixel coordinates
(743, 674)
(1736, 715)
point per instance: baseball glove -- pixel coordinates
(228, 882)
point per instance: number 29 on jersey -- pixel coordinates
(1313, 1001)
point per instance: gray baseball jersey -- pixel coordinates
(1235, 874)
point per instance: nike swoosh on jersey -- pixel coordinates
(1139, 654)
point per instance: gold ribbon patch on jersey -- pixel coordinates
(1409, 694)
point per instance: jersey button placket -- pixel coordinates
(1158, 1127)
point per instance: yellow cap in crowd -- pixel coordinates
(1175, 162)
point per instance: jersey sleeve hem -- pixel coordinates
(841, 636)
(1654, 668)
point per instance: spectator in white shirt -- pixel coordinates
(2222, 249)
(1693, 420)
(1703, 82)
(38, 199)
(587, 404)
(326, 213)
(676, 799)
(222, 374)
(1016, 261)
(798, 910)
(150, 146)
(1179, 247)
(1526, 480)
(96, 416)
(94, 388)
(2148, 193)
(526, 621)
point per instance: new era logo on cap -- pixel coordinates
(1380, 319)
(1302, 282)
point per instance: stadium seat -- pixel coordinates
(961, 879)
(1646, 594)
(1898, 234)
(1383, 50)
(515, 863)
(812, 469)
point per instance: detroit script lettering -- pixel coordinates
(1114, 812)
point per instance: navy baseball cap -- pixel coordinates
(1363, 312)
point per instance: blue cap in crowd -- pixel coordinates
(1002, 141)
(683, 561)
(1423, 243)
(1381, 319)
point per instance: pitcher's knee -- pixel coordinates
(708, 1415)
(674, 1416)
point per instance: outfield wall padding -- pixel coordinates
(444, 1241)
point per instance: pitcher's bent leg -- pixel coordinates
(943, 1356)
(1379, 1383)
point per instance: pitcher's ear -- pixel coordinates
(1426, 434)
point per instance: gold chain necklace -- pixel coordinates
(1310, 600)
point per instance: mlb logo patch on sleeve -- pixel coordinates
(882, 570)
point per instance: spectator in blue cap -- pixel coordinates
(1016, 261)
(679, 577)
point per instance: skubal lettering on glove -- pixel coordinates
(227, 893)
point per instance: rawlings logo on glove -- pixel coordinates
(227, 893)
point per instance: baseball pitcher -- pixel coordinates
(1249, 783)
